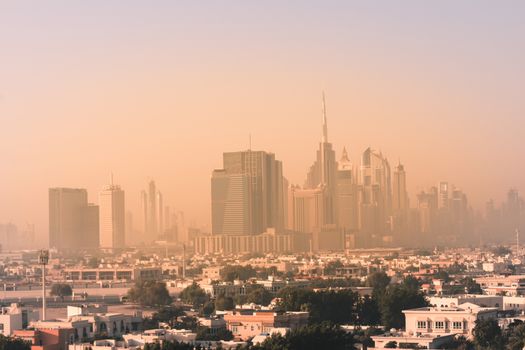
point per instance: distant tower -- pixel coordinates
(160, 211)
(144, 209)
(347, 195)
(112, 217)
(152, 210)
(73, 222)
(323, 173)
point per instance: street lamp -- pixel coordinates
(43, 259)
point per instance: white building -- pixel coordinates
(16, 317)
(432, 327)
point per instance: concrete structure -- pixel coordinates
(323, 173)
(48, 338)
(441, 320)
(431, 327)
(84, 274)
(245, 324)
(269, 242)
(375, 202)
(347, 195)
(512, 285)
(247, 194)
(73, 223)
(112, 217)
(16, 317)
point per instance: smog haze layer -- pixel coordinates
(159, 92)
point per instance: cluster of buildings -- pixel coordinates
(76, 223)
(340, 206)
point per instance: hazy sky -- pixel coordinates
(159, 89)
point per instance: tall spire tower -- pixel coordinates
(325, 126)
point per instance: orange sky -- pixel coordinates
(160, 92)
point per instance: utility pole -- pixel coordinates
(43, 259)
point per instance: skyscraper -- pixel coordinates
(144, 211)
(73, 223)
(230, 203)
(112, 217)
(152, 210)
(375, 197)
(160, 213)
(400, 204)
(251, 182)
(323, 172)
(347, 196)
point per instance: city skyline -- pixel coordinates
(158, 114)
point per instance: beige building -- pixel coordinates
(15, 317)
(73, 223)
(245, 324)
(431, 327)
(269, 242)
(112, 217)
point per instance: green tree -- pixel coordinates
(488, 335)
(237, 272)
(394, 300)
(194, 295)
(258, 294)
(332, 266)
(471, 287)
(314, 337)
(150, 293)
(61, 290)
(368, 311)
(378, 280)
(515, 335)
(334, 306)
(224, 303)
(12, 343)
(166, 314)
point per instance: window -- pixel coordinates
(421, 324)
(457, 325)
(439, 325)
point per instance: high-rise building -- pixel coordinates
(73, 223)
(144, 211)
(443, 194)
(152, 210)
(375, 201)
(230, 203)
(400, 205)
(250, 183)
(112, 217)
(160, 211)
(324, 173)
(347, 195)
(306, 209)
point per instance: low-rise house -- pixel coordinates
(16, 317)
(245, 324)
(47, 338)
(512, 285)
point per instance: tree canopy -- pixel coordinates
(61, 290)
(150, 293)
(13, 343)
